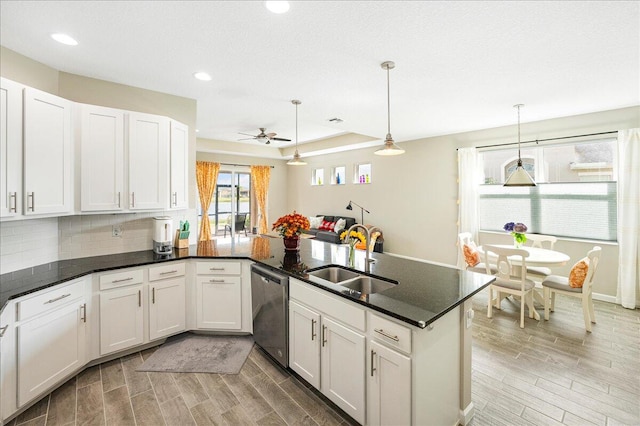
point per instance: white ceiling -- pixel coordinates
(460, 66)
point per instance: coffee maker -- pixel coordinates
(162, 235)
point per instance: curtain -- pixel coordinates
(470, 175)
(260, 182)
(628, 217)
(206, 178)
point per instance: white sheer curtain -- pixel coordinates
(470, 176)
(628, 217)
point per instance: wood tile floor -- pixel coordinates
(548, 373)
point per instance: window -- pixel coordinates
(575, 196)
(232, 195)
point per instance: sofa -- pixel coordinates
(330, 236)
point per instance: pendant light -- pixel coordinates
(296, 160)
(389, 148)
(519, 177)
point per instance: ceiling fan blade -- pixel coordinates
(246, 134)
(281, 139)
(271, 135)
(246, 139)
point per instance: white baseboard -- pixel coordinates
(467, 414)
(604, 297)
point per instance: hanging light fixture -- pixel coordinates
(296, 160)
(519, 177)
(389, 148)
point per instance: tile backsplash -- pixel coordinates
(26, 243)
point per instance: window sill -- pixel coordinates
(575, 240)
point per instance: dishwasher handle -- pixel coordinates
(269, 275)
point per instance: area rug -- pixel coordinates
(195, 353)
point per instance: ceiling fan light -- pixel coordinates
(296, 160)
(389, 148)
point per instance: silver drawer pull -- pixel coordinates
(216, 269)
(13, 207)
(3, 330)
(216, 281)
(83, 307)
(57, 298)
(31, 207)
(168, 272)
(122, 280)
(373, 355)
(387, 335)
(313, 329)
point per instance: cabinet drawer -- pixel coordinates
(166, 271)
(120, 279)
(218, 268)
(346, 312)
(390, 333)
(50, 299)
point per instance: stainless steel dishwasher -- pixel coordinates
(269, 300)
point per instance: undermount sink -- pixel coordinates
(368, 285)
(351, 280)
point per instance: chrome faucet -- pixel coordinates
(367, 233)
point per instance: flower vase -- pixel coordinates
(516, 243)
(352, 256)
(291, 243)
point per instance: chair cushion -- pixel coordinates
(528, 284)
(560, 283)
(471, 256)
(327, 226)
(579, 273)
(315, 221)
(482, 269)
(538, 270)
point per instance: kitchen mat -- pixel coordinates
(196, 353)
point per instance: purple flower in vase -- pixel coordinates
(509, 226)
(520, 228)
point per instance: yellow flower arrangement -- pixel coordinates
(291, 225)
(354, 237)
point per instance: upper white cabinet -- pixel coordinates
(10, 148)
(148, 161)
(102, 158)
(179, 159)
(47, 153)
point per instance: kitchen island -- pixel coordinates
(426, 296)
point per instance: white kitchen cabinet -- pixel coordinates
(102, 159)
(167, 310)
(179, 160)
(121, 318)
(10, 148)
(148, 149)
(51, 333)
(388, 386)
(8, 355)
(219, 301)
(304, 343)
(47, 154)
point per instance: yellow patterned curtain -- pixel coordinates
(206, 177)
(260, 182)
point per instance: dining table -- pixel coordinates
(537, 257)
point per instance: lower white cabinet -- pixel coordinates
(388, 386)
(166, 307)
(7, 362)
(219, 295)
(121, 319)
(304, 343)
(51, 334)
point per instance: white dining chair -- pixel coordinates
(506, 282)
(559, 284)
(539, 273)
(471, 255)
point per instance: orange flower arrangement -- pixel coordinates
(291, 225)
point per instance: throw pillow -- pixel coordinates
(340, 223)
(315, 221)
(327, 226)
(579, 273)
(471, 256)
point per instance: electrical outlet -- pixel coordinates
(116, 231)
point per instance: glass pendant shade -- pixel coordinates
(389, 148)
(519, 177)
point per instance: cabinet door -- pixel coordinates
(121, 319)
(389, 386)
(179, 165)
(10, 148)
(8, 357)
(219, 302)
(304, 343)
(148, 162)
(102, 164)
(50, 347)
(47, 153)
(343, 368)
(167, 307)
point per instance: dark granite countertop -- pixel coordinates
(425, 291)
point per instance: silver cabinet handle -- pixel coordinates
(153, 295)
(175, 199)
(139, 298)
(57, 298)
(3, 330)
(216, 269)
(387, 335)
(133, 199)
(313, 330)
(122, 280)
(216, 281)
(324, 337)
(31, 207)
(83, 307)
(13, 207)
(119, 199)
(168, 272)
(373, 355)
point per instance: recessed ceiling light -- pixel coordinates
(277, 6)
(202, 76)
(64, 39)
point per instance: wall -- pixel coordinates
(413, 197)
(17, 67)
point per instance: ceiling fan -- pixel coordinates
(263, 137)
